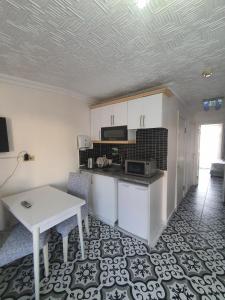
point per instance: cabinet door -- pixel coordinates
(103, 203)
(120, 114)
(96, 115)
(134, 114)
(156, 210)
(133, 208)
(152, 111)
(107, 116)
(114, 115)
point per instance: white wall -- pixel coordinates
(210, 117)
(46, 125)
(190, 155)
(172, 107)
(170, 117)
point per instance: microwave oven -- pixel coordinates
(140, 167)
(115, 133)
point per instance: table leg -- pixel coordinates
(36, 248)
(80, 232)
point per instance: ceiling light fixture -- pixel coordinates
(207, 74)
(142, 3)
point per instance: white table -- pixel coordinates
(49, 207)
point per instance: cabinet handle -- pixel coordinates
(143, 121)
(110, 120)
(100, 134)
(140, 120)
(113, 119)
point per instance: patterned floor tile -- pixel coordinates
(179, 290)
(191, 264)
(140, 268)
(187, 263)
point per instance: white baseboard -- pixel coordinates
(101, 218)
(155, 240)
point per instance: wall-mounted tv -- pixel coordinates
(4, 144)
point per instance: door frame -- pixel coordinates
(180, 116)
(198, 137)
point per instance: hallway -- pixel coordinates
(188, 262)
(208, 196)
(196, 237)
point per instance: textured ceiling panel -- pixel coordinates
(103, 48)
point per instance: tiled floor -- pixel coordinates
(187, 263)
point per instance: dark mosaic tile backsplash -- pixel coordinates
(150, 143)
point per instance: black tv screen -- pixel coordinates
(4, 144)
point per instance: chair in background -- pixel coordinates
(78, 185)
(18, 242)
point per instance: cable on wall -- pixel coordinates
(19, 159)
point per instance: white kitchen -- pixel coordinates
(133, 141)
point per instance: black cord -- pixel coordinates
(18, 158)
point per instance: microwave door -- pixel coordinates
(136, 168)
(117, 133)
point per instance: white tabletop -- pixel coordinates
(49, 207)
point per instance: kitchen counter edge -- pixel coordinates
(124, 177)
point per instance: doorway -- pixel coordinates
(210, 146)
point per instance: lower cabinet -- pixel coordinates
(133, 211)
(137, 208)
(103, 198)
(140, 210)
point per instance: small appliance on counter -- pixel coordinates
(90, 163)
(84, 142)
(103, 161)
(140, 167)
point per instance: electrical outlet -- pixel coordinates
(28, 157)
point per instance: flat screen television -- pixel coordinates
(4, 144)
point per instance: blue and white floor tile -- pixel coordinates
(188, 261)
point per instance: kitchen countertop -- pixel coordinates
(118, 173)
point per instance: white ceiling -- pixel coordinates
(103, 48)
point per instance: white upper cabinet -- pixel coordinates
(114, 115)
(119, 114)
(96, 123)
(146, 112)
(135, 114)
(107, 116)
